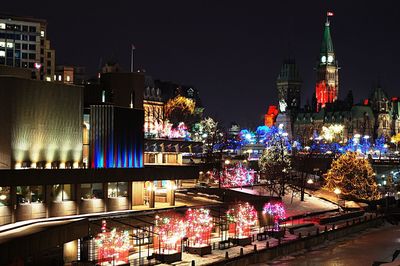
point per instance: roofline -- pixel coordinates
(20, 18)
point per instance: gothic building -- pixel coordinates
(376, 116)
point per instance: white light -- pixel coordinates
(309, 181)
(2, 44)
(59, 77)
(68, 78)
(42, 33)
(48, 79)
(38, 66)
(337, 191)
(366, 137)
(227, 162)
(10, 45)
(2, 53)
(3, 26)
(357, 136)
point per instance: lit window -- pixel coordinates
(42, 33)
(48, 79)
(2, 26)
(59, 77)
(68, 79)
(2, 44)
(10, 45)
(2, 53)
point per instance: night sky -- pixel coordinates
(230, 50)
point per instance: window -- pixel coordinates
(117, 189)
(17, 63)
(24, 28)
(32, 29)
(32, 56)
(2, 44)
(41, 42)
(10, 45)
(42, 33)
(3, 26)
(2, 53)
(91, 191)
(32, 47)
(32, 38)
(48, 63)
(31, 65)
(24, 46)
(17, 37)
(24, 64)
(62, 192)
(17, 54)
(68, 78)
(24, 56)
(29, 194)
(5, 196)
(17, 46)
(48, 54)
(41, 51)
(17, 27)
(41, 60)
(24, 37)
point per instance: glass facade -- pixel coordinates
(117, 189)
(30, 194)
(5, 196)
(63, 192)
(91, 191)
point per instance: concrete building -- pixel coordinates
(24, 44)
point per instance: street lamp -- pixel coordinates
(310, 181)
(337, 191)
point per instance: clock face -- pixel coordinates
(330, 59)
(323, 59)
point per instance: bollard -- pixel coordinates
(226, 255)
(317, 230)
(347, 223)
(370, 216)
(267, 244)
(365, 218)
(299, 235)
(214, 246)
(241, 251)
(333, 226)
(326, 228)
(308, 234)
(354, 221)
(253, 238)
(193, 263)
(279, 241)
(255, 248)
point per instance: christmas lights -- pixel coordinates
(354, 176)
(241, 218)
(277, 211)
(168, 232)
(112, 246)
(198, 226)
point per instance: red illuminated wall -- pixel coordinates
(325, 94)
(271, 115)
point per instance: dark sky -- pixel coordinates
(230, 50)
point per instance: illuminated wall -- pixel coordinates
(41, 122)
(116, 137)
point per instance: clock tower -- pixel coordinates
(327, 86)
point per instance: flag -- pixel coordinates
(133, 47)
(329, 14)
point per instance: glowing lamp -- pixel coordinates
(38, 66)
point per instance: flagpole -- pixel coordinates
(132, 57)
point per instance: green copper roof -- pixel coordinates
(327, 45)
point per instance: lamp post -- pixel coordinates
(337, 191)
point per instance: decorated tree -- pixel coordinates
(181, 109)
(241, 218)
(198, 227)
(354, 177)
(276, 211)
(112, 246)
(237, 175)
(275, 161)
(168, 232)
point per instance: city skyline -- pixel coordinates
(231, 53)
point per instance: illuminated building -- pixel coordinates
(327, 86)
(24, 44)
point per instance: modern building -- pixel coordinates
(24, 44)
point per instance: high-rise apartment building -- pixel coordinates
(24, 44)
